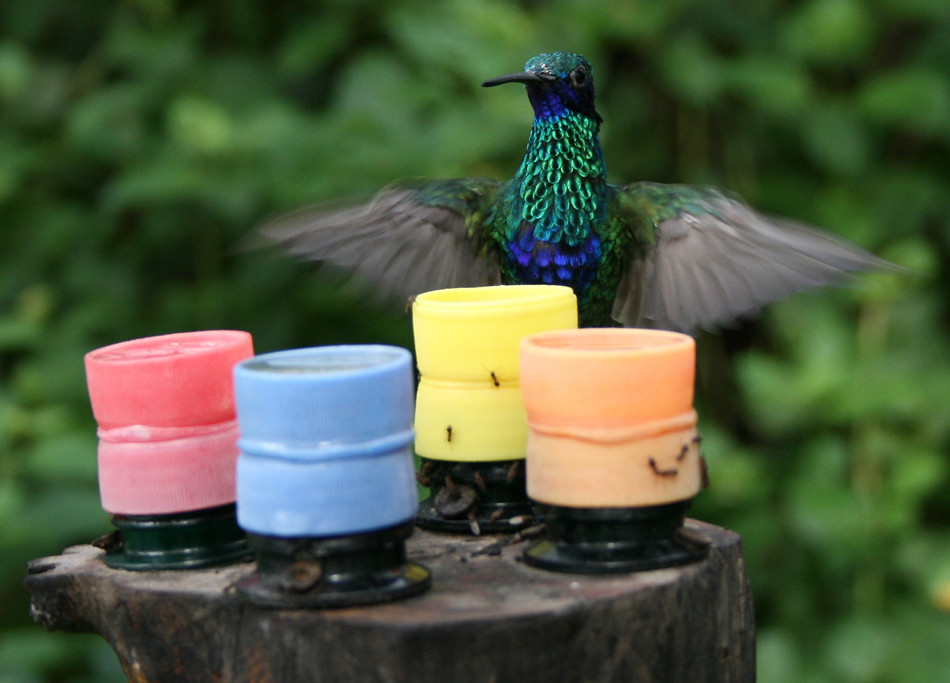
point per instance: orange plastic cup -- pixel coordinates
(610, 417)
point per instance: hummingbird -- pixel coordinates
(646, 254)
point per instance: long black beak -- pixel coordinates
(523, 77)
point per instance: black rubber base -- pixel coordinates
(186, 540)
(474, 497)
(344, 571)
(614, 540)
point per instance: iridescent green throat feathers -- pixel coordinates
(646, 254)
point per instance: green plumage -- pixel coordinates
(668, 256)
(561, 187)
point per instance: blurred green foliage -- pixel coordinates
(141, 140)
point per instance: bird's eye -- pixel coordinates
(579, 76)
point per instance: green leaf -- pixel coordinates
(860, 649)
(199, 124)
(779, 87)
(693, 71)
(915, 98)
(830, 32)
(836, 140)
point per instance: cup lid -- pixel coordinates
(606, 377)
(171, 380)
(316, 398)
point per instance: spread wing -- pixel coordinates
(708, 259)
(407, 240)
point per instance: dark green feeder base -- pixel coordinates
(185, 540)
(614, 540)
(474, 497)
(344, 571)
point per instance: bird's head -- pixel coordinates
(557, 82)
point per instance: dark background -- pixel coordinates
(141, 141)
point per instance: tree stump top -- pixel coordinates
(488, 616)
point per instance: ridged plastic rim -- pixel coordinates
(169, 476)
(472, 334)
(610, 378)
(320, 497)
(463, 422)
(321, 396)
(488, 302)
(172, 380)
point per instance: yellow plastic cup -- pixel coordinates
(468, 421)
(467, 334)
(469, 405)
(610, 417)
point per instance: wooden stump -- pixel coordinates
(487, 617)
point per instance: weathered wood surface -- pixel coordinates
(488, 617)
